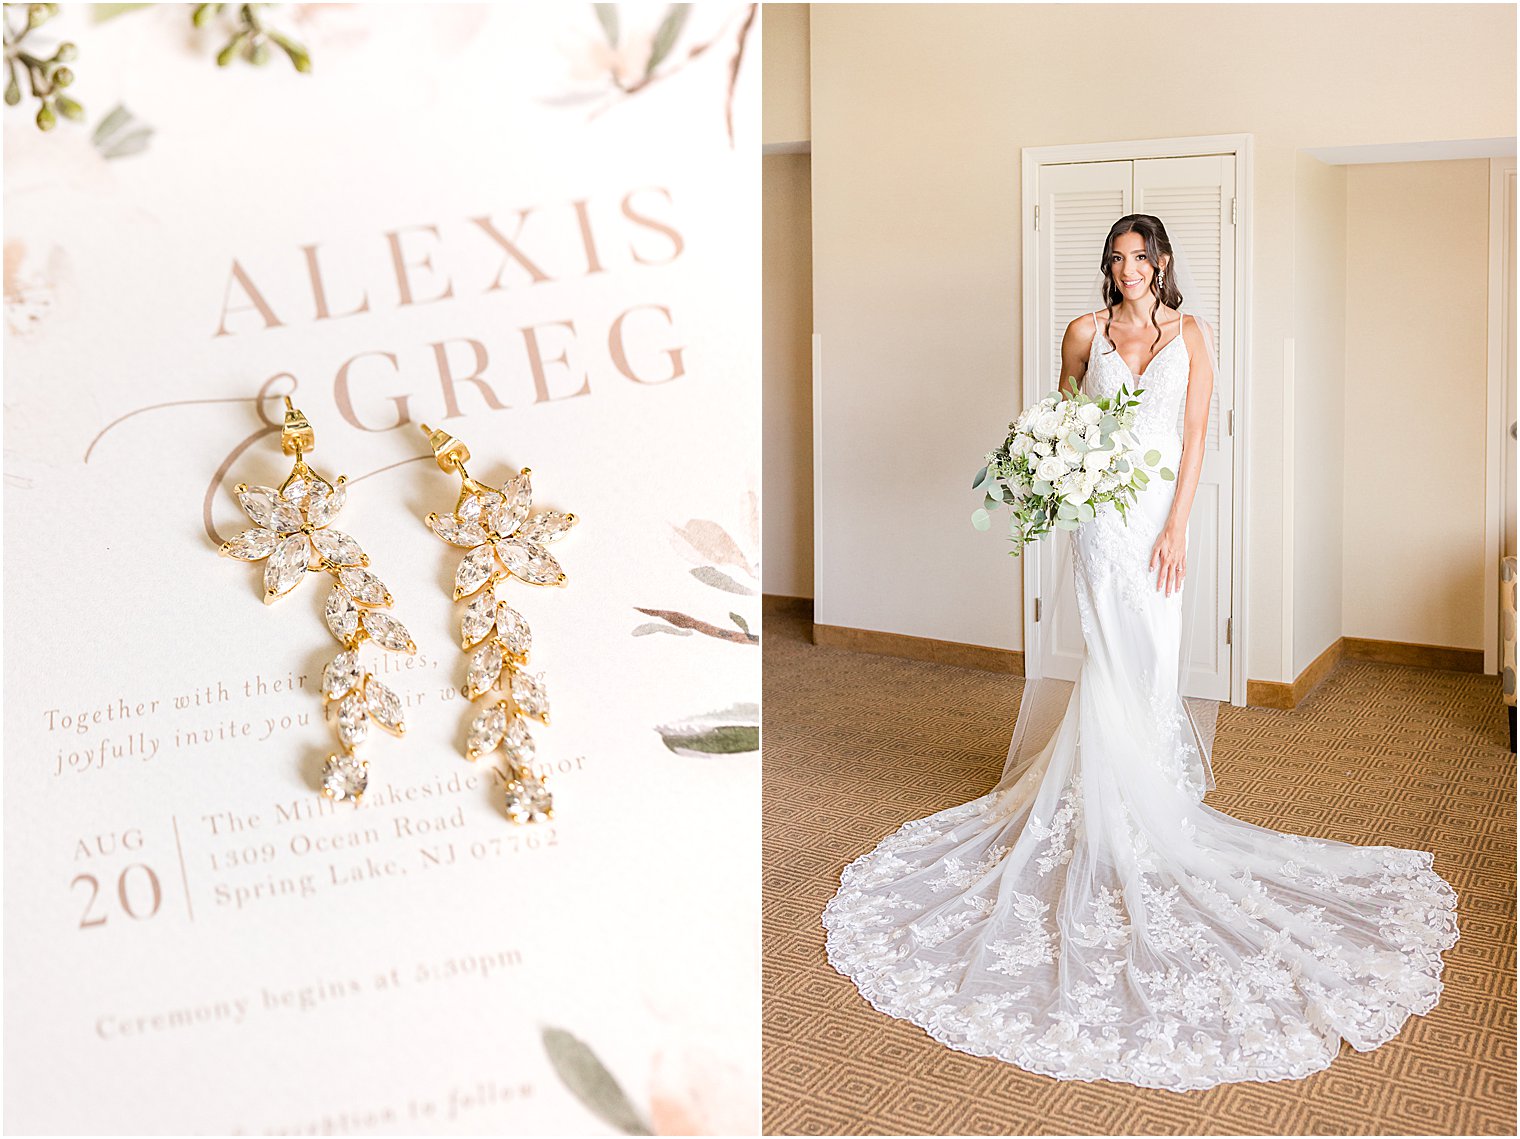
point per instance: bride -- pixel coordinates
(1089, 917)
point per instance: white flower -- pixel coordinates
(1042, 447)
(1090, 413)
(1048, 424)
(1068, 454)
(1097, 460)
(1050, 469)
(1021, 444)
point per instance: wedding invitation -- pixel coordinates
(496, 220)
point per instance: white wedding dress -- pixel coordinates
(1090, 918)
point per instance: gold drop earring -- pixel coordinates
(291, 530)
(493, 524)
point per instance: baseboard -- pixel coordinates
(955, 653)
(780, 603)
(1278, 694)
(1416, 656)
(1259, 693)
(1281, 695)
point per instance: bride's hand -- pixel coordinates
(1169, 560)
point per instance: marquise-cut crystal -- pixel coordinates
(477, 507)
(517, 497)
(344, 777)
(286, 518)
(367, 589)
(324, 502)
(528, 800)
(342, 614)
(296, 490)
(550, 526)
(474, 570)
(478, 617)
(486, 730)
(457, 531)
(286, 565)
(529, 561)
(529, 695)
(337, 547)
(251, 545)
(384, 705)
(258, 502)
(353, 719)
(387, 632)
(341, 674)
(485, 667)
(518, 743)
(513, 630)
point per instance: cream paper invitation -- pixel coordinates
(457, 218)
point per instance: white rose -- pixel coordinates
(1048, 424)
(1021, 445)
(1042, 447)
(1050, 469)
(1075, 489)
(1090, 413)
(1068, 454)
(1097, 461)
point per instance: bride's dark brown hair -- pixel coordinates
(1157, 246)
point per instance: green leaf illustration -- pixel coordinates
(665, 37)
(711, 575)
(608, 15)
(589, 1081)
(729, 731)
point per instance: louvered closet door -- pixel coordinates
(1078, 204)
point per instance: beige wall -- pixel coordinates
(918, 113)
(787, 412)
(1417, 319)
(1319, 402)
(784, 71)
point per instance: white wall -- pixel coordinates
(1417, 382)
(787, 406)
(784, 73)
(917, 116)
(1319, 402)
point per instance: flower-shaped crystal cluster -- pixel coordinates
(505, 539)
(501, 537)
(292, 531)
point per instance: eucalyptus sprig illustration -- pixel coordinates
(250, 34)
(46, 75)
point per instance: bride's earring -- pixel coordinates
(1160, 279)
(503, 543)
(291, 531)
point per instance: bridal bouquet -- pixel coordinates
(1063, 460)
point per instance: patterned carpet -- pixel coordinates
(857, 744)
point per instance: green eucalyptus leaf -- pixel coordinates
(981, 519)
(1166, 473)
(1152, 457)
(607, 14)
(665, 36)
(981, 477)
(588, 1080)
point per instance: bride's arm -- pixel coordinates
(1169, 556)
(1074, 348)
